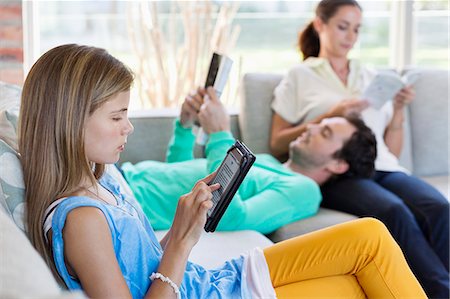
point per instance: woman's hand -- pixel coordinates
(191, 107)
(404, 97)
(190, 216)
(347, 107)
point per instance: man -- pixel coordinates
(272, 194)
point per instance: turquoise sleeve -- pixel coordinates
(285, 200)
(216, 148)
(181, 145)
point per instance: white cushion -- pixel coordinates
(23, 272)
(213, 249)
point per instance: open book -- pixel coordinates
(219, 70)
(385, 85)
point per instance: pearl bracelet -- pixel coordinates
(167, 280)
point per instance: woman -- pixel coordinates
(73, 121)
(328, 84)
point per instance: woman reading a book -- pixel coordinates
(328, 83)
(73, 121)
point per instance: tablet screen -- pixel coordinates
(226, 173)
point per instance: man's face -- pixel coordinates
(317, 145)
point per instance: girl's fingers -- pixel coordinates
(209, 178)
(214, 187)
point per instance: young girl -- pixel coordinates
(73, 121)
(327, 84)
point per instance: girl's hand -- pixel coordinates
(404, 97)
(347, 107)
(190, 216)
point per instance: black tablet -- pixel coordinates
(230, 175)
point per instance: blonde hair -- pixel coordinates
(64, 87)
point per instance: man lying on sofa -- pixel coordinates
(272, 194)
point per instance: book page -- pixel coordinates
(411, 77)
(382, 88)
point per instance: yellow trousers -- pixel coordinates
(356, 259)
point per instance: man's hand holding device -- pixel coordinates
(219, 70)
(191, 107)
(213, 116)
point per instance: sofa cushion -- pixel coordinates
(322, 219)
(12, 189)
(213, 249)
(441, 183)
(255, 116)
(23, 272)
(429, 113)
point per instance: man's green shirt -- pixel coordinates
(270, 196)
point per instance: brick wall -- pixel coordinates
(11, 41)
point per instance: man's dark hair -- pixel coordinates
(359, 151)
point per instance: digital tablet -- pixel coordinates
(230, 175)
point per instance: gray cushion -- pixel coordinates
(255, 117)
(152, 132)
(429, 127)
(322, 219)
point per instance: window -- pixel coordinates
(431, 23)
(269, 30)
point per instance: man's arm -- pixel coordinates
(215, 121)
(265, 203)
(181, 145)
(216, 148)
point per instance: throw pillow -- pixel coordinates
(9, 111)
(8, 127)
(12, 188)
(9, 96)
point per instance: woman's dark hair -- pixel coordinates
(360, 151)
(308, 42)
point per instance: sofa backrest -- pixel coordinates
(429, 119)
(426, 129)
(255, 116)
(152, 132)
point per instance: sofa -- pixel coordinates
(23, 272)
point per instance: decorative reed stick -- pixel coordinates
(168, 67)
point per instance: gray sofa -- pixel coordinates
(425, 151)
